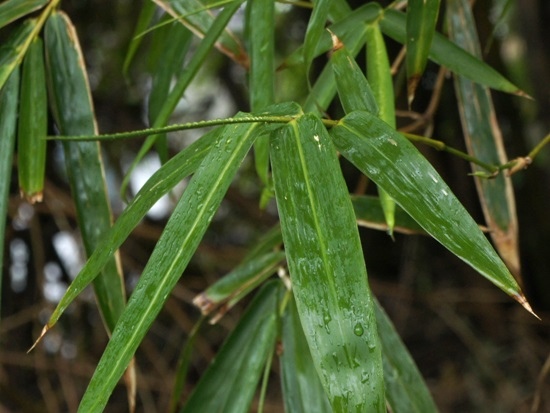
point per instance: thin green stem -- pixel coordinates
(539, 147)
(176, 127)
(441, 146)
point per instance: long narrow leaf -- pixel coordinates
(227, 291)
(261, 45)
(315, 28)
(146, 16)
(11, 10)
(484, 141)
(176, 169)
(9, 96)
(302, 389)
(14, 48)
(397, 166)
(421, 21)
(231, 380)
(192, 68)
(197, 17)
(379, 76)
(448, 54)
(327, 271)
(177, 244)
(405, 387)
(74, 115)
(33, 124)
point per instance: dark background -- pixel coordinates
(477, 350)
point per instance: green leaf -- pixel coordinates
(261, 45)
(174, 249)
(302, 389)
(379, 76)
(33, 124)
(15, 47)
(405, 387)
(484, 141)
(146, 16)
(191, 70)
(353, 88)
(315, 28)
(421, 22)
(448, 54)
(161, 182)
(349, 30)
(226, 292)
(198, 18)
(72, 109)
(231, 380)
(11, 10)
(327, 271)
(394, 164)
(9, 96)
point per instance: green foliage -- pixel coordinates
(340, 351)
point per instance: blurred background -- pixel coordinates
(478, 350)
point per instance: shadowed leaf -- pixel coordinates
(11, 10)
(15, 47)
(484, 141)
(231, 380)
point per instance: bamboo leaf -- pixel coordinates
(302, 389)
(192, 68)
(315, 28)
(11, 10)
(353, 88)
(9, 96)
(349, 30)
(145, 18)
(421, 21)
(174, 249)
(15, 47)
(327, 271)
(163, 180)
(394, 164)
(379, 76)
(73, 113)
(234, 374)
(33, 124)
(226, 292)
(405, 387)
(446, 53)
(261, 45)
(484, 141)
(198, 18)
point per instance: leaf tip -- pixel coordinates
(336, 42)
(522, 94)
(520, 298)
(42, 334)
(412, 84)
(205, 304)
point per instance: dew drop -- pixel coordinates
(358, 330)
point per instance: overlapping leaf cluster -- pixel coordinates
(339, 350)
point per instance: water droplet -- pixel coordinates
(358, 330)
(327, 318)
(372, 346)
(365, 377)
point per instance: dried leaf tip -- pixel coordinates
(521, 93)
(412, 84)
(42, 334)
(520, 298)
(336, 42)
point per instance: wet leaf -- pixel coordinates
(174, 249)
(394, 164)
(327, 271)
(234, 374)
